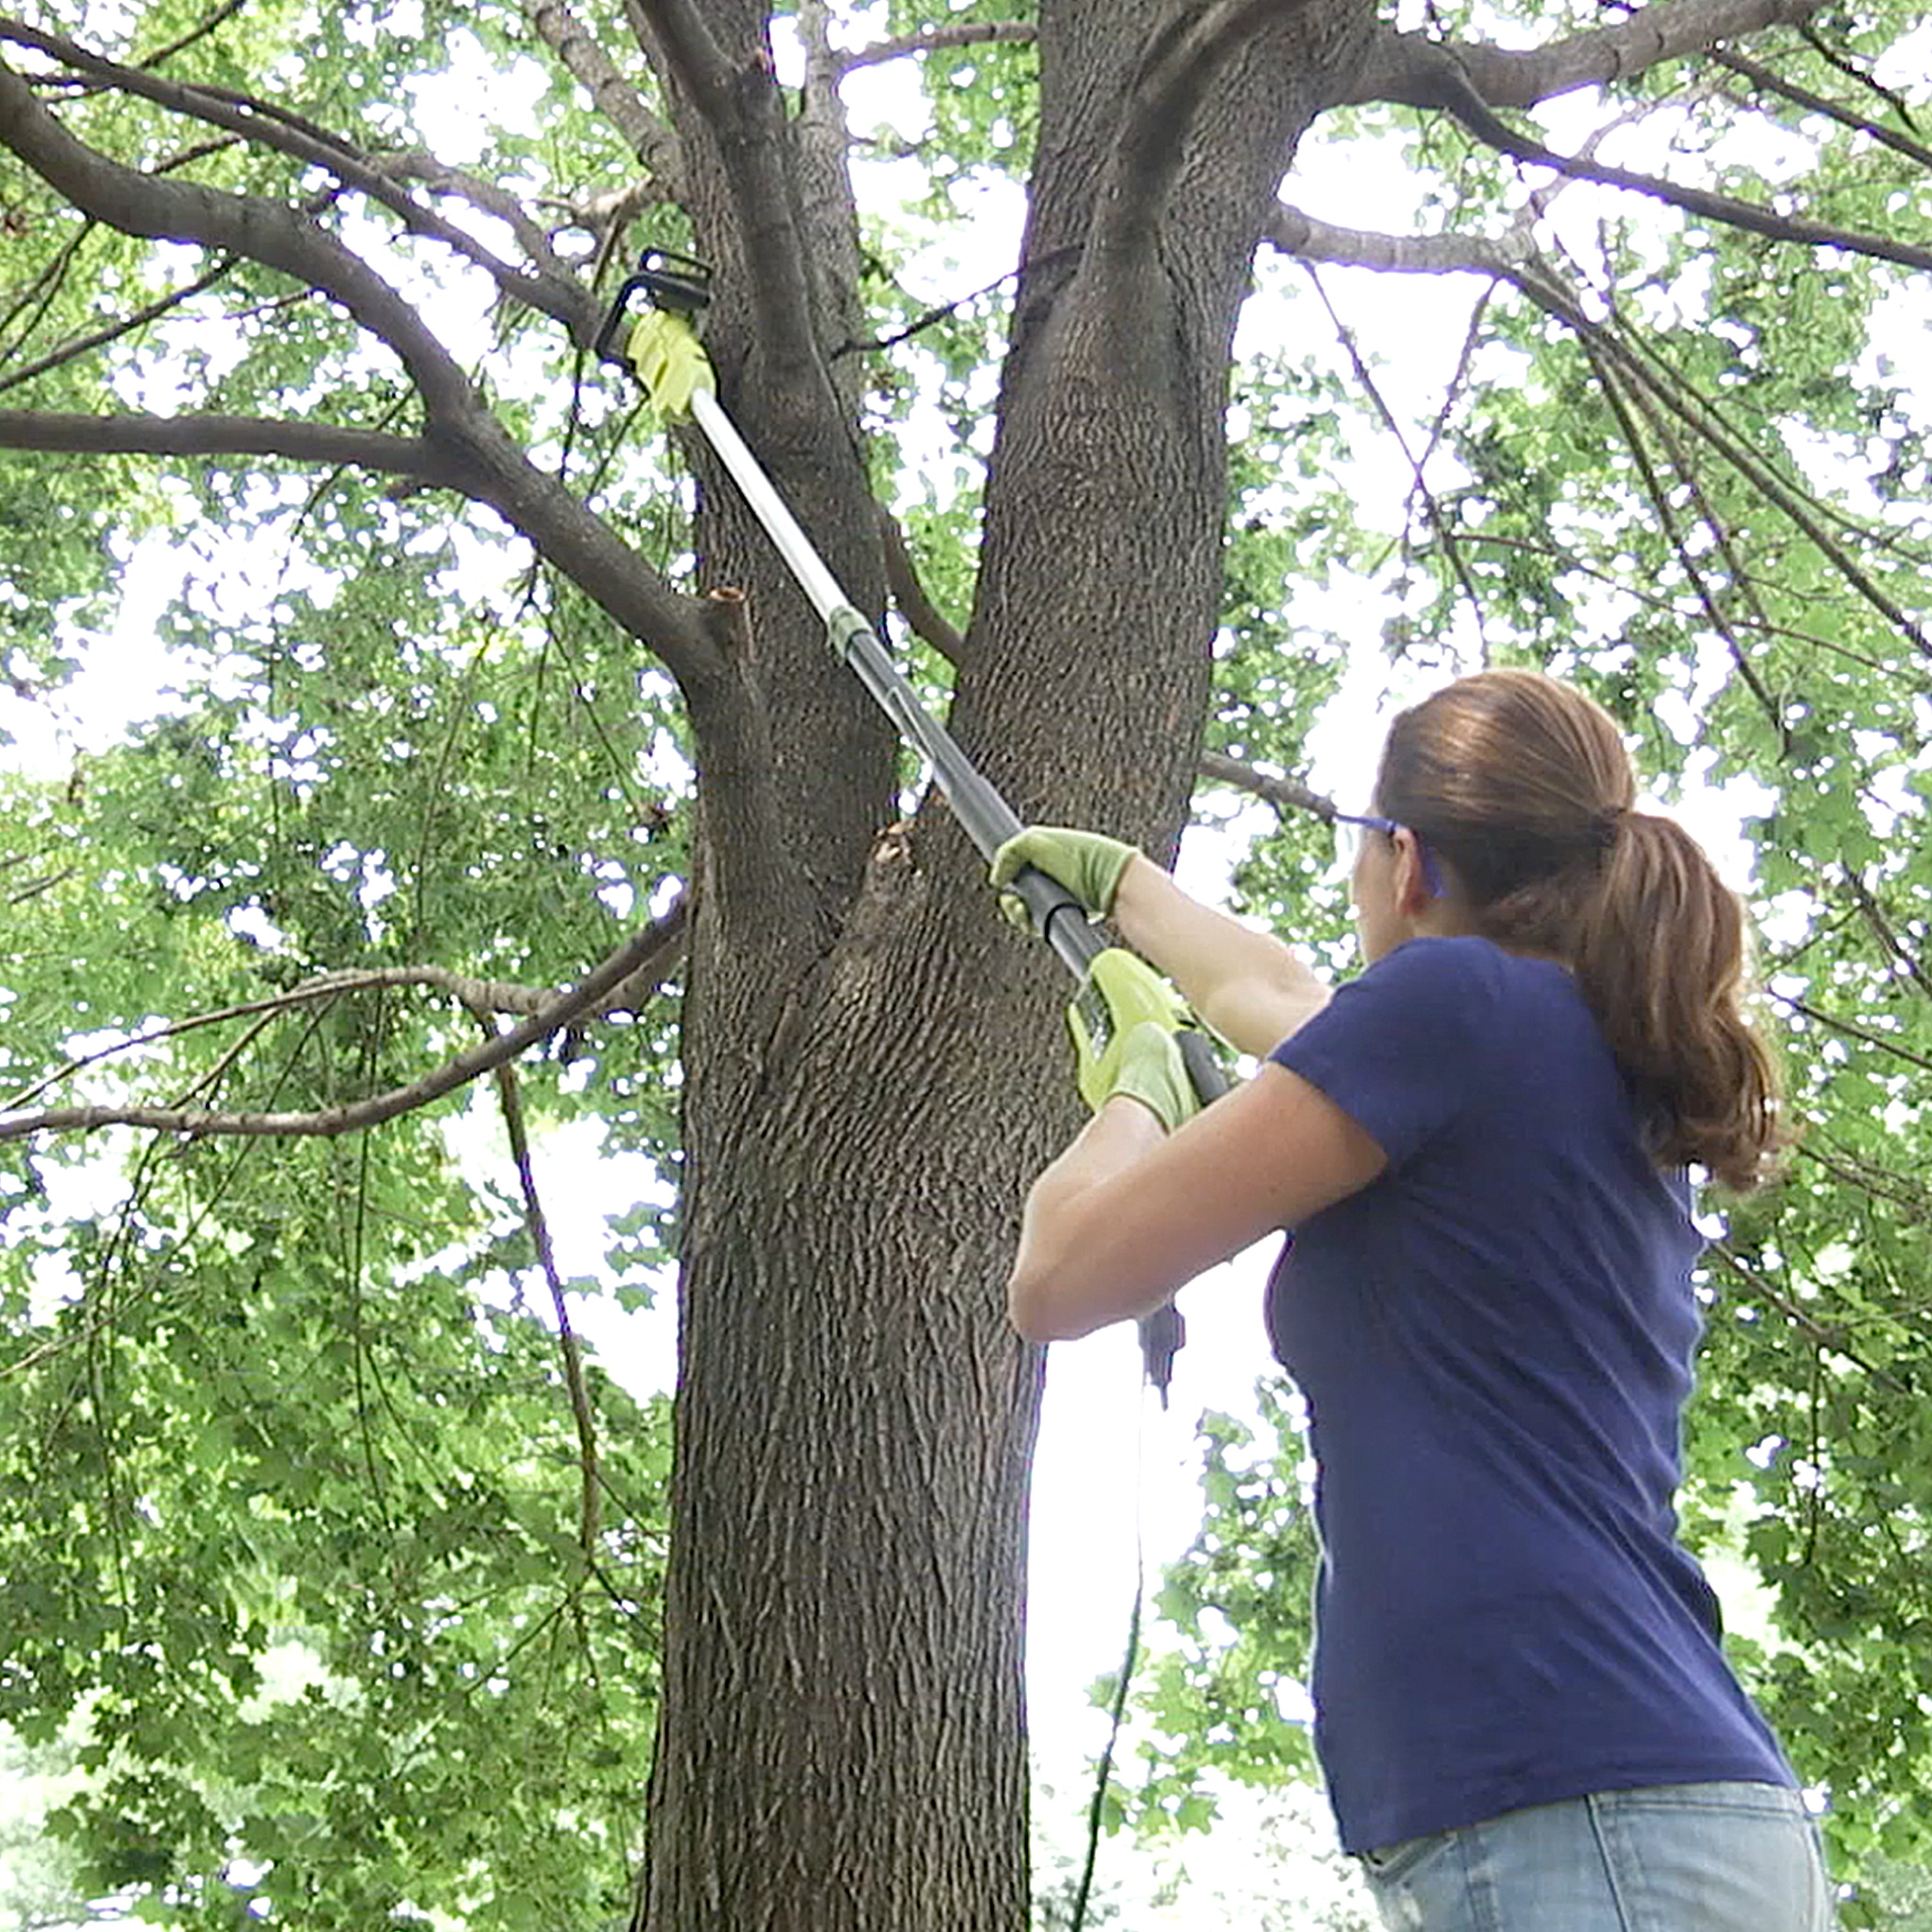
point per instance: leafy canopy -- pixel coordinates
(319, 1545)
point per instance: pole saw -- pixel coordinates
(660, 346)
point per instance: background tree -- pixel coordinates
(500, 704)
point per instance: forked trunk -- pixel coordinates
(873, 1062)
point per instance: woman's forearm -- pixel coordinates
(1247, 985)
(1040, 1302)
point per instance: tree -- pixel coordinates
(244, 292)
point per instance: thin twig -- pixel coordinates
(498, 996)
(1855, 1171)
(1850, 69)
(1883, 931)
(1471, 338)
(102, 1317)
(928, 318)
(1568, 560)
(1660, 500)
(1851, 1030)
(1452, 549)
(939, 40)
(1764, 77)
(512, 1100)
(1697, 415)
(99, 338)
(208, 1082)
(34, 888)
(1823, 1335)
(222, 14)
(657, 945)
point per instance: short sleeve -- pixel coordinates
(1399, 1049)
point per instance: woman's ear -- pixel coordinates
(1413, 894)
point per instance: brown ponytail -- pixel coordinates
(1521, 787)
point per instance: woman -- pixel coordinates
(1523, 1715)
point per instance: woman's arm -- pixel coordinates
(1126, 1216)
(1247, 985)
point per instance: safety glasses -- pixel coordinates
(1351, 830)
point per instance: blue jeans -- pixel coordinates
(1675, 1858)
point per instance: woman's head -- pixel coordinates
(1519, 784)
(1520, 789)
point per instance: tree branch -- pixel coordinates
(692, 50)
(820, 133)
(1883, 931)
(82, 345)
(1513, 260)
(1851, 1030)
(512, 1100)
(584, 59)
(1821, 1334)
(480, 996)
(483, 460)
(1904, 1192)
(935, 40)
(34, 888)
(1438, 521)
(909, 594)
(1438, 78)
(1284, 794)
(1176, 71)
(264, 231)
(1401, 67)
(1549, 295)
(134, 435)
(225, 12)
(606, 214)
(559, 297)
(645, 950)
(741, 107)
(1862, 77)
(1770, 83)
(1308, 239)
(1610, 381)
(414, 164)
(39, 293)
(1568, 560)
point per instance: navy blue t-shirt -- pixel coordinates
(1494, 1339)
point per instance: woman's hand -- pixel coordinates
(1149, 1068)
(1246, 985)
(1088, 864)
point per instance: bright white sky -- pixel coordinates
(1108, 1458)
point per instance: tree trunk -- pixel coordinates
(873, 1058)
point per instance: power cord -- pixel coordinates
(1098, 1808)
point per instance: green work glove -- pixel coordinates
(1088, 864)
(1150, 1069)
(1131, 992)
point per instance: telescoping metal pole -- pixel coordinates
(987, 818)
(661, 349)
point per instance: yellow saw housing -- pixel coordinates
(669, 360)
